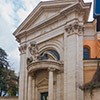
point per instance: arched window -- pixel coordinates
(49, 54)
(86, 53)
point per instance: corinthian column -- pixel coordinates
(22, 50)
(29, 87)
(51, 84)
(73, 61)
(33, 87)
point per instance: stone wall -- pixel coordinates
(8, 98)
(96, 95)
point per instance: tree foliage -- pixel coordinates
(8, 78)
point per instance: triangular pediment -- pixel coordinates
(44, 15)
(43, 82)
(44, 11)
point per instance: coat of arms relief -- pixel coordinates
(33, 50)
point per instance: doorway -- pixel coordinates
(44, 96)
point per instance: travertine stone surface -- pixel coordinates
(29, 87)
(50, 90)
(55, 25)
(22, 50)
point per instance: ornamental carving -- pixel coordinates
(22, 48)
(75, 28)
(29, 60)
(33, 49)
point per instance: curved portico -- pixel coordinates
(50, 66)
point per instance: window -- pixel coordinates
(49, 54)
(44, 96)
(86, 53)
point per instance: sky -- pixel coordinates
(12, 14)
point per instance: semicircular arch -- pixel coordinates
(52, 46)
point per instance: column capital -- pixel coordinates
(75, 28)
(22, 49)
(51, 69)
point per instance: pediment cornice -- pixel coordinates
(48, 5)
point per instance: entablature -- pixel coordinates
(45, 64)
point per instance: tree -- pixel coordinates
(8, 78)
(3, 59)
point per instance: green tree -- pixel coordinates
(8, 78)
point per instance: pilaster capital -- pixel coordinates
(23, 48)
(75, 28)
(51, 69)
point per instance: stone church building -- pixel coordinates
(58, 47)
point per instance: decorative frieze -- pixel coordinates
(23, 48)
(75, 28)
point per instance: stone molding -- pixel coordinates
(22, 49)
(75, 28)
(90, 63)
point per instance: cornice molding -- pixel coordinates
(38, 9)
(45, 64)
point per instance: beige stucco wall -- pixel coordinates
(8, 98)
(96, 95)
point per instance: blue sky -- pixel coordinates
(12, 13)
